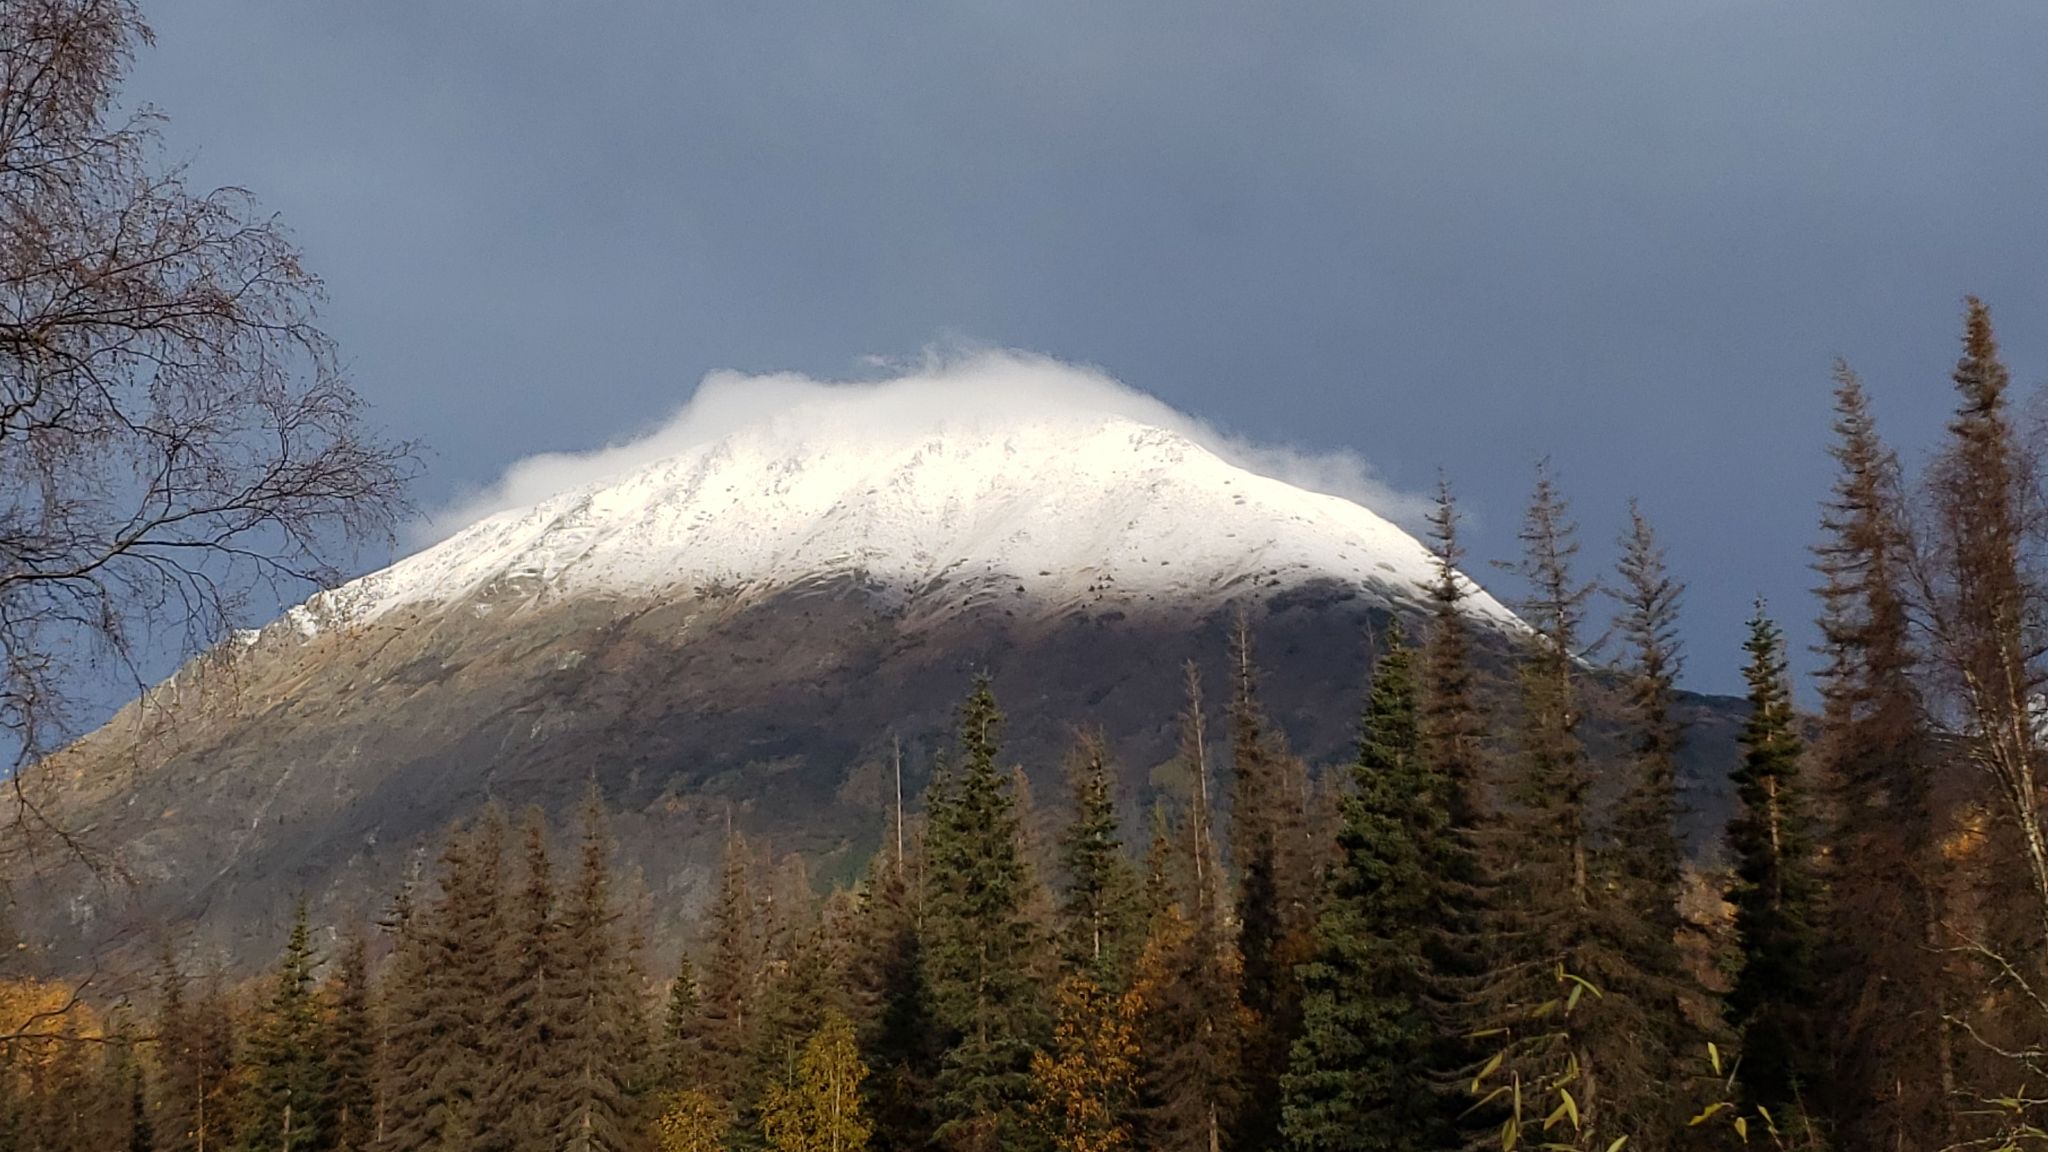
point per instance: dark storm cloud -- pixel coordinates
(1630, 235)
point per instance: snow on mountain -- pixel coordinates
(1053, 511)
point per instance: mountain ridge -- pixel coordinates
(742, 632)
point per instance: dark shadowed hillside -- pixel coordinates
(319, 766)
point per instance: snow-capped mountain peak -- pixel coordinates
(1052, 511)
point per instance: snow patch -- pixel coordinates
(1065, 510)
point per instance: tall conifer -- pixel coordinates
(1776, 892)
(528, 1064)
(351, 1044)
(1359, 1076)
(893, 1014)
(447, 972)
(1098, 921)
(288, 1103)
(681, 1046)
(1893, 1061)
(1269, 828)
(1453, 730)
(1547, 916)
(981, 951)
(1192, 1027)
(732, 977)
(602, 1035)
(1638, 865)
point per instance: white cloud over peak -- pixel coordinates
(945, 390)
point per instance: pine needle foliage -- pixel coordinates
(982, 951)
(1358, 1077)
(1776, 892)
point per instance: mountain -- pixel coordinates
(1049, 516)
(745, 630)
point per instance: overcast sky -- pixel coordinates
(1630, 235)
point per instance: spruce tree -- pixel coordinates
(528, 1066)
(1885, 983)
(1776, 892)
(351, 1045)
(601, 1038)
(122, 1093)
(213, 1043)
(447, 973)
(1269, 828)
(981, 949)
(178, 1091)
(1549, 929)
(1638, 866)
(288, 1102)
(1452, 727)
(1189, 976)
(1098, 924)
(801, 993)
(1359, 1072)
(892, 1012)
(1646, 860)
(681, 1048)
(732, 979)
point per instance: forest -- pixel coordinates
(1467, 938)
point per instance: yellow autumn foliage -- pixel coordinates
(691, 1121)
(1083, 1087)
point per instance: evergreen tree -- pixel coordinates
(1639, 867)
(1646, 860)
(178, 1089)
(681, 1049)
(801, 994)
(1268, 835)
(1548, 919)
(601, 1038)
(192, 1107)
(1775, 893)
(1098, 912)
(981, 949)
(63, 1108)
(122, 1094)
(1885, 982)
(732, 980)
(447, 972)
(288, 1102)
(351, 1046)
(819, 1110)
(528, 1067)
(1359, 1072)
(1453, 734)
(892, 1010)
(1188, 978)
(1085, 1085)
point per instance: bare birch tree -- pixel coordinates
(175, 431)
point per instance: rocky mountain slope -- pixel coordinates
(742, 631)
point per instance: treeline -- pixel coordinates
(1461, 943)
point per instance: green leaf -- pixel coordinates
(1742, 1129)
(1618, 1142)
(1712, 1110)
(1571, 1106)
(1714, 1057)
